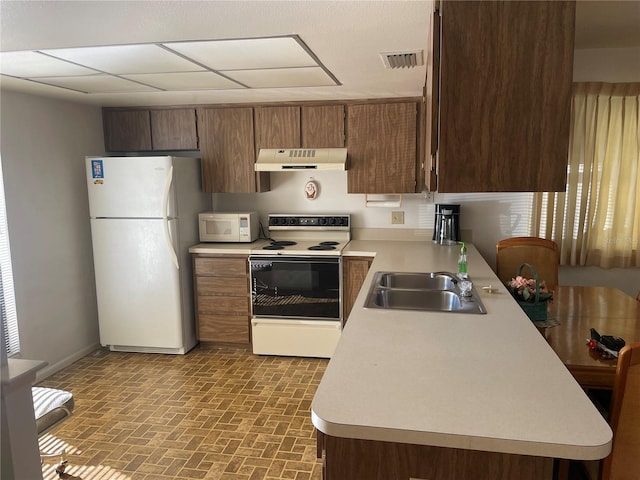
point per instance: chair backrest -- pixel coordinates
(543, 254)
(623, 463)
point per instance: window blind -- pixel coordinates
(7, 297)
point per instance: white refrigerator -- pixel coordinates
(143, 220)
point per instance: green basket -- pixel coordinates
(536, 310)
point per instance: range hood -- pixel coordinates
(288, 159)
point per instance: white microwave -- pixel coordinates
(228, 226)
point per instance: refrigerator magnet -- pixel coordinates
(96, 169)
(311, 190)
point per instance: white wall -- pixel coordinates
(488, 216)
(43, 145)
(607, 65)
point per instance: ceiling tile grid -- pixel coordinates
(275, 62)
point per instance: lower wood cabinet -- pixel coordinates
(222, 298)
(355, 459)
(354, 271)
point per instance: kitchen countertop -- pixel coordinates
(480, 382)
(228, 248)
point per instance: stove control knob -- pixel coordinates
(292, 221)
(323, 221)
(332, 221)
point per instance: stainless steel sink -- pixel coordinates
(431, 292)
(417, 281)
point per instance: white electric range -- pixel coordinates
(296, 285)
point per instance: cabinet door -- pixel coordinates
(227, 150)
(506, 73)
(277, 127)
(381, 141)
(126, 130)
(174, 129)
(322, 126)
(354, 271)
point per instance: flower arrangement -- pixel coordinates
(524, 289)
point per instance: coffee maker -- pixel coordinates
(446, 230)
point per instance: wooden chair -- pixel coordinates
(623, 463)
(543, 254)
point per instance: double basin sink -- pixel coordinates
(431, 292)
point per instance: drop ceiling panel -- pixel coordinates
(34, 64)
(283, 77)
(185, 81)
(247, 54)
(127, 59)
(97, 84)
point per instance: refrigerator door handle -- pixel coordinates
(165, 218)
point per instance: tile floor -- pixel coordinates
(219, 414)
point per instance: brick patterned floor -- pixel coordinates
(218, 414)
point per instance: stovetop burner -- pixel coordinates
(322, 247)
(327, 245)
(279, 244)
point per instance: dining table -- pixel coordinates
(578, 309)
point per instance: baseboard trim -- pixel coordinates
(65, 362)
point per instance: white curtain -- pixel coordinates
(597, 220)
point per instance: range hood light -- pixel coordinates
(288, 159)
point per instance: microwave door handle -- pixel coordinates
(165, 218)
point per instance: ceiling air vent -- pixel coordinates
(402, 59)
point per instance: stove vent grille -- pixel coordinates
(402, 59)
(302, 153)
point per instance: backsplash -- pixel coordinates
(489, 216)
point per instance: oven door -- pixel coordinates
(296, 287)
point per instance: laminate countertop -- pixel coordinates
(227, 248)
(480, 382)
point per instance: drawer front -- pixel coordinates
(219, 305)
(223, 328)
(229, 286)
(230, 267)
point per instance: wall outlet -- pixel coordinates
(397, 218)
(429, 197)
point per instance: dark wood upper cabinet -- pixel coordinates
(127, 130)
(322, 126)
(174, 129)
(504, 106)
(381, 143)
(277, 127)
(141, 130)
(227, 150)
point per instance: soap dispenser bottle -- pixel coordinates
(462, 263)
